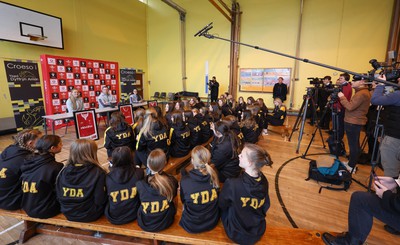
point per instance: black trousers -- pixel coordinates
(353, 139)
(364, 206)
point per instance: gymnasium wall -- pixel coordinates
(94, 29)
(342, 33)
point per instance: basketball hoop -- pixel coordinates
(36, 37)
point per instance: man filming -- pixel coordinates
(355, 117)
(214, 87)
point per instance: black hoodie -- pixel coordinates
(147, 143)
(180, 140)
(244, 202)
(39, 173)
(81, 192)
(205, 131)
(223, 159)
(123, 201)
(195, 133)
(123, 135)
(200, 202)
(156, 213)
(11, 160)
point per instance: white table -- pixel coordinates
(64, 116)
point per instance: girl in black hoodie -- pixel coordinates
(11, 160)
(224, 151)
(123, 201)
(204, 120)
(194, 126)
(118, 134)
(244, 201)
(157, 193)
(199, 194)
(80, 186)
(152, 135)
(179, 136)
(249, 127)
(38, 177)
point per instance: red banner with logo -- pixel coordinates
(126, 110)
(62, 74)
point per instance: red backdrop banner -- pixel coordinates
(62, 74)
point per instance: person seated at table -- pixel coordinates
(122, 178)
(157, 194)
(244, 201)
(106, 99)
(81, 187)
(118, 134)
(152, 135)
(277, 118)
(179, 136)
(199, 193)
(39, 173)
(135, 97)
(11, 160)
(74, 102)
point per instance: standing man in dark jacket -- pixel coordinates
(280, 90)
(214, 87)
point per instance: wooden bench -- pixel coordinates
(283, 130)
(102, 231)
(175, 164)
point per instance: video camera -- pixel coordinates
(391, 71)
(315, 81)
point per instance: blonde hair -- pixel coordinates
(149, 118)
(22, 138)
(279, 101)
(156, 162)
(73, 99)
(83, 151)
(200, 160)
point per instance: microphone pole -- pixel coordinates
(204, 32)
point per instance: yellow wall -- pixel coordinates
(95, 29)
(341, 33)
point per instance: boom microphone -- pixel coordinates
(204, 30)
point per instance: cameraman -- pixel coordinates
(324, 93)
(390, 145)
(355, 117)
(344, 83)
(214, 87)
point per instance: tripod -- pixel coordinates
(378, 132)
(302, 114)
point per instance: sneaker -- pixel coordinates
(350, 169)
(265, 132)
(340, 239)
(391, 230)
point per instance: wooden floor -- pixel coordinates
(294, 201)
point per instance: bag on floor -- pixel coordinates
(337, 174)
(335, 149)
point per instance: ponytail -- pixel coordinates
(156, 162)
(258, 156)
(22, 139)
(200, 160)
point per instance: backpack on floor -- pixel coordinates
(337, 174)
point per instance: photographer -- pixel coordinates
(344, 83)
(390, 145)
(214, 87)
(355, 117)
(384, 205)
(324, 93)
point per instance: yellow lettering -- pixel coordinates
(145, 206)
(197, 128)
(195, 197)
(33, 188)
(65, 191)
(214, 195)
(133, 193)
(72, 192)
(155, 207)
(244, 201)
(80, 193)
(3, 173)
(164, 206)
(114, 195)
(254, 203)
(124, 195)
(261, 203)
(205, 197)
(185, 135)
(25, 187)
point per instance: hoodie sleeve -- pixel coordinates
(226, 195)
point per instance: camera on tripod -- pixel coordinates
(315, 81)
(392, 71)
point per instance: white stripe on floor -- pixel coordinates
(11, 227)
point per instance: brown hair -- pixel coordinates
(122, 157)
(22, 138)
(248, 120)
(200, 160)
(44, 143)
(83, 151)
(117, 119)
(258, 156)
(156, 162)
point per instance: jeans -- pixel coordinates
(390, 156)
(363, 207)
(353, 139)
